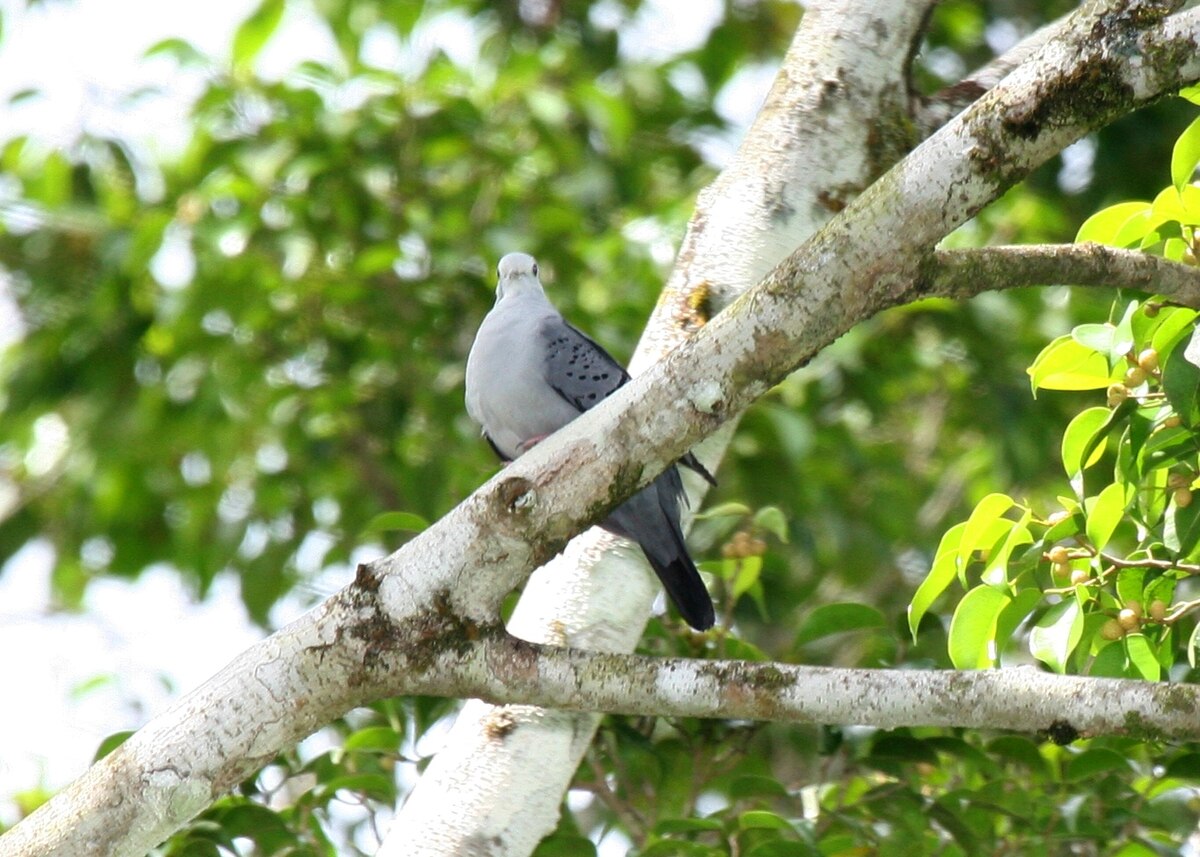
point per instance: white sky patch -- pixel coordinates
(84, 676)
(663, 29)
(84, 80)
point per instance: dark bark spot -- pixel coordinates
(365, 578)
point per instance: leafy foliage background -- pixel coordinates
(257, 348)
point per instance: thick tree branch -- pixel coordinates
(968, 272)
(933, 112)
(386, 633)
(1023, 699)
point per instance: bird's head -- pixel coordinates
(518, 275)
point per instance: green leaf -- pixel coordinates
(1104, 225)
(110, 743)
(1110, 662)
(980, 529)
(760, 818)
(182, 51)
(1176, 325)
(944, 570)
(724, 510)
(253, 33)
(1181, 383)
(772, 519)
(1056, 634)
(740, 650)
(1098, 337)
(1080, 431)
(565, 844)
(746, 575)
(389, 521)
(995, 570)
(972, 641)
(1064, 364)
(1129, 584)
(382, 739)
(1181, 533)
(267, 829)
(1094, 762)
(1173, 207)
(1186, 155)
(755, 785)
(376, 786)
(686, 825)
(1191, 93)
(1142, 656)
(1104, 513)
(837, 618)
(1017, 611)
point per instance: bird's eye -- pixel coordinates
(535, 269)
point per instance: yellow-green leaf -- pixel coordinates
(1104, 512)
(1079, 433)
(1186, 155)
(1057, 634)
(972, 640)
(1064, 364)
(980, 532)
(1104, 225)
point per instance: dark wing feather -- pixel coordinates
(692, 463)
(578, 369)
(584, 374)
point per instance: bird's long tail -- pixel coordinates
(686, 590)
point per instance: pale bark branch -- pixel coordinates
(932, 112)
(387, 633)
(1023, 699)
(964, 273)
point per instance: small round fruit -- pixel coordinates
(1178, 480)
(1151, 309)
(1079, 576)
(1135, 376)
(1057, 554)
(1117, 393)
(1061, 570)
(1148, 360)
(1158, 609)
(1183, 497)
(729, 550)
(1128, 620)
(1136, 607)
(757, 547)
(1173, 421)
(1112, 630)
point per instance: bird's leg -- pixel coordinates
(527, 445)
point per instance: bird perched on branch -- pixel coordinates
(530, 373)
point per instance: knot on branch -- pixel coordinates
(516, 495)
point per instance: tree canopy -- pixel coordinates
(252, 351)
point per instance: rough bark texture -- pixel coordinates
(833, 120)
(423, 619)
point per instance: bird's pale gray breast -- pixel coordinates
(507, 391)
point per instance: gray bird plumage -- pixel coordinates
(530, 373)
